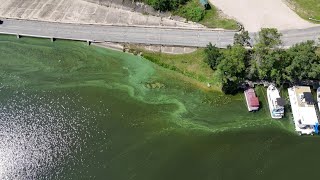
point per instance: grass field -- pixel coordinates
(306, 8)
(191, 65)
(211, 18)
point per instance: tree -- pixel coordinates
(269, 37)
(263, 60)
(242, 39)
(279, 64)
(230, 87)
(268, 64)
(265, 55)
(303, 62)
(165, 5)
(232, 68)
(195, 14)
(213, 56)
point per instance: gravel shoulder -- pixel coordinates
(257, 14)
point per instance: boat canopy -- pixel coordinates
(281, 102)
(254, 102)
(309, 116)
(308, 97)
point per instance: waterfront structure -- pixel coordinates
(276, 103)
(303, 109)
(252, 100)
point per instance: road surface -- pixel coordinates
(140, 35)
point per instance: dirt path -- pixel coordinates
(256, 14)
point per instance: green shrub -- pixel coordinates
(192, 11)
(195, 14)
(165, 5)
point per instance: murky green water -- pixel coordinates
(69, 111)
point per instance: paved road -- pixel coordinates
(294, 36)
(143, 35)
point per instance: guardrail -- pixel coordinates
(49, 37)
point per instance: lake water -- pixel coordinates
(71, 111)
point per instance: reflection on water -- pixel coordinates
(39, 133)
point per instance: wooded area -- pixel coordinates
(265, 61)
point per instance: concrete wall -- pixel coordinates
(83, 12)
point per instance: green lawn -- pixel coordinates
(191, 65)
(307, 8)
(211, 18)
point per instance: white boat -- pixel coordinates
(303, 109)
(276, 103)
(318, 97)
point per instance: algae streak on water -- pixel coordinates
(69, 111)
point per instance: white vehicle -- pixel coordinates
(303, 109)
(276, 103)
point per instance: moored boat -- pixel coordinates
(276, 103)
(252, 100)
(303, 109)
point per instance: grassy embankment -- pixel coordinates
(212, 18)
(306, 8)
(194, 11)
(191, 65)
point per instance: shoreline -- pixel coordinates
(138, 52)
(109, 45)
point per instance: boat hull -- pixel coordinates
(270, 92)
(297, 115)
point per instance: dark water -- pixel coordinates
(68, 111)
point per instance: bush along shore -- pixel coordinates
(264, 62)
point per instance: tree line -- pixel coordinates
(193, 11)
(165, 5)
(264, 61)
